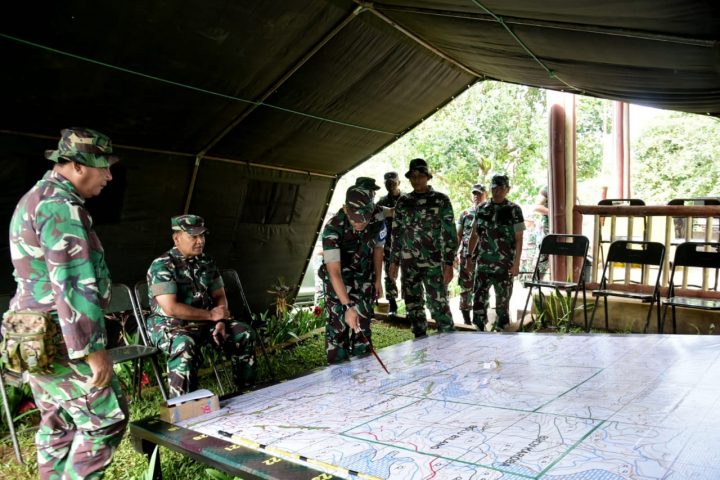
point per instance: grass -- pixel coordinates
(128, 464)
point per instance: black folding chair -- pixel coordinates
(208, 350)
(240, 309)
(123, 300)
(4, 305)
(613, 202)
(691, 255)
(631, 253)
(570, 246)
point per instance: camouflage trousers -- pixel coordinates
(502, 283)
(77, 436)
(340, 342)
(390, 285)
(466, 282)
(426, 279)
(183, 346)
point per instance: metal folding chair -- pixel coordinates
(241, 309)
(123, 300)
(691, 255)
(570, 246)
(630, 253)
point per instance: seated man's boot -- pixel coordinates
(466, 317)
(392, 307)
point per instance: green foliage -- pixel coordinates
(17, 397)
(677, 157)
(554, 312)
(593, 124)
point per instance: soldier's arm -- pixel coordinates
(460, 229)
(336, 280)
(397, 228)
(449, 237)
(64, 237)
(518, 252)
(163, 287)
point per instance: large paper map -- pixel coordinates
(497, 407)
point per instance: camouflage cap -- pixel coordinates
(367, 183)
(85, 146)
(499, 181)
(391, 176)
(192, 224)
(478, 188)
(420, 165)
(359, 204)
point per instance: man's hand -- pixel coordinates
(378, 289)
(352, 319)
(392, 273)
(218, 313)
(447, 273)
(515, 270)
(102, 368)
(219, 334)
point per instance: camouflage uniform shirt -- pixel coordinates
(496, 228)
(424, 228)
(60, 265)
(191, 279)
(465, 224)
(390, 202)
(353, 249)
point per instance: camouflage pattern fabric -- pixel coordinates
(59, 267)
(423, 241)
(192, 280)
(466, 274)
(77, 437)
(83, 145)
(390, 286)
(496, 226)
(502, 283)
(354, 250)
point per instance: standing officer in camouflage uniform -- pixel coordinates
(424, 244)
(496, 246)
(392, 184)
(353, 241)
(466, 274)
(60, 269)
(188, 307)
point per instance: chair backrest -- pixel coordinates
(621, 201)
(697, 254)
(236, 295)
(141, 295)
(122, 299)
(642, 253)
(695, 201)
(566, 245)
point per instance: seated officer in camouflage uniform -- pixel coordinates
(466, 274)
(496, 247)
(189, 309)
(352, 241)
(424, 243)
(60, 269)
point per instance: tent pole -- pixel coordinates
(191, 187)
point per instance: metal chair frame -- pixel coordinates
(645, 254)
(570, 246)
(691, 255)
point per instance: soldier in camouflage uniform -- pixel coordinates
(392, 184)
(60, 269)
(424, 244)
(466, 274)
(496, 246)
(353, 241)
(189, 309)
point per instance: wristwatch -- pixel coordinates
(347, 306)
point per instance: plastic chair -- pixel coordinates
(241, 309)
(209, 349)
(639, 253)
(570, 246)
(123, 300)
(4, 306)
(691, 255)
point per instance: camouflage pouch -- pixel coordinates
(28, 342)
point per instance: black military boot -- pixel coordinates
(466, 317)
(392, 307)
